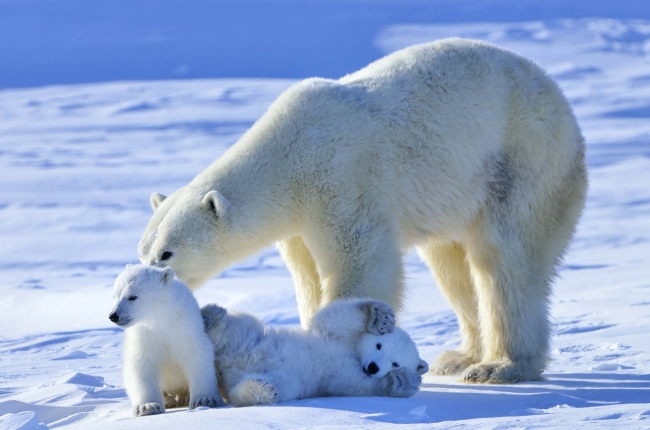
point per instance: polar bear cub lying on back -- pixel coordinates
(168, 358)
(352, 348)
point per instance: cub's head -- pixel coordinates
(138, 293)
(187, 232)
(382, 353)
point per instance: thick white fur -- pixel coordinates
(464, 150)
(168, 357)
(258, 365)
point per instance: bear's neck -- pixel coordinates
(255, 175)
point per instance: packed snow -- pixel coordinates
(77, 165)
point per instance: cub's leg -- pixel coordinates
(143, 386)
(347, 319)
(451, 271)
(305, 276)
(202, 377)
(256, 390)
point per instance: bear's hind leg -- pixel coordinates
(305, 277)
(451, 271)
(252, 392)
(513, 289)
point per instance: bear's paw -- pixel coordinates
(253, 392)
(210, 401)
(453, 362)
(147, 409)
(494, 372)
(404, 382)
(382, 319)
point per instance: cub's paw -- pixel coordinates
(210, 401)
(404, 383)
(453, 362)
(494, 372)
(253, 392)
(381, 319)
(147, 409)
(263, 392)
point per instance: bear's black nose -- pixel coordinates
(372, 368)
(115, 318)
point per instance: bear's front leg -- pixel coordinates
(143, 387)
(198, 367)
(356, 249)
(202, 378)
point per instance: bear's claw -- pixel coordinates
(209, 401)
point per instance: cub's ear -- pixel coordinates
(156, 199)
(167, 275)
(212, 314)
(423, 367)
(217, 203)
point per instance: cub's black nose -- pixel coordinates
(372, 368)
(115, 318)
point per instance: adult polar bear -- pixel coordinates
(464, 150)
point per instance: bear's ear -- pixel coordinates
(216, 202)
(167, 275)
(423, 367)
(156, 199)
(212, 314)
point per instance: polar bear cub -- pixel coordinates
(261, 365)
(168, 358)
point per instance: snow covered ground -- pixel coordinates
(77, 165)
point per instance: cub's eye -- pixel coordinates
(166, 256)
(379, 346)
(395, 364)
(132, 298)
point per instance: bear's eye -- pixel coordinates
(395, 364)
(132, 298)
(166, 256)
(379, 346)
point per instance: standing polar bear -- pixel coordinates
(464, 150)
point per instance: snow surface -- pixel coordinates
(77, 165)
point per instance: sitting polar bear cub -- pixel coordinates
(352, 348)
(168, 358)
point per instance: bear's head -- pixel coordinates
(379, 354)
(138, 294)
(189, 233)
